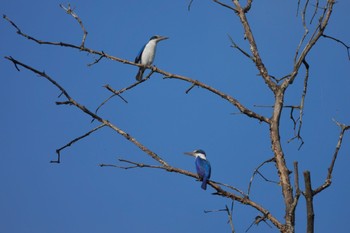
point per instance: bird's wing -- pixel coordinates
(208, 167)
(138, 58)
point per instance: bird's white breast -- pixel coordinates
(148, 53)
(200, 155)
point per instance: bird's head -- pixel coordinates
(158, 38)
(197, 153)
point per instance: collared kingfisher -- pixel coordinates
(202, 166)
(147, 53)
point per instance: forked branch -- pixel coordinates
(225, 96)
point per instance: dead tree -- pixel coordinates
(288, 180)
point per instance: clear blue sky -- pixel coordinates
(79, 196)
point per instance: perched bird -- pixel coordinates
(147, 53)
(202, 166)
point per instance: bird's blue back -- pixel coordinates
(138, 58)
(203, 168)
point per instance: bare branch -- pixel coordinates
(257, 220)
(227, 97)
(301, 108)
(339, 41)
(309, 203)
(63, 44)
(315, 12)
(229, 214)
(189, 89)
(248, 6)
(58, 151)
(328, 181)
(253, 47)
(216, 185)
(323, 22)
(306, 30)
(117, 93)
(225, 5)
(235, 46)
(256, 171)
(189, 5)
(297, 190)
(167, 75)
(93, 115)
(76, 17)
(97, 60)
(135, 165)
(231, 187)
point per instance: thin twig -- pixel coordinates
(189, 5)
(256, 171)
(167, 75)
(118, 93)
(299, 121)
(225, 5)
(75, 16)
(97, 60)
(235, 46)
(328, 181)
(58, 151)
(339, 41)
(315, 12)
(90, 113)
(214, 184)
(257, 220)
(306, 30)
(190, 88)
(231, 187)
(229, 215)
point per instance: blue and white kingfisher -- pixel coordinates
(147, 53)
(202, 166)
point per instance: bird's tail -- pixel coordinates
(139, 74)
(204, 184)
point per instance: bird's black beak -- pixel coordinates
(189, 153)
(162, 38)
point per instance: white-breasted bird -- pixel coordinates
(147, 53)
(202, 166)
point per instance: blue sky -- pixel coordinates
(79, 196)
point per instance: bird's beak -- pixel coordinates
(189, 153)
(162, 38)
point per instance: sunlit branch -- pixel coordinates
(90, 113)
(215, 185)
(308, 193)
(227, 97)
(306, 30)
(253, 47)
(76, 17)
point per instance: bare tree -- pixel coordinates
(320, 13)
